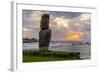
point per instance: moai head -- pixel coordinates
(45, 21)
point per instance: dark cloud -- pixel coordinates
(69, 15)
(26, 14)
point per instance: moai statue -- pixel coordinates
(45, 33)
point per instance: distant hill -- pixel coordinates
(27, 40)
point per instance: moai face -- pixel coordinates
(45, 22)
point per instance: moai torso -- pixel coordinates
(45, 33)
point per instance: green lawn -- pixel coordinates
(41, 59)
(39, 56)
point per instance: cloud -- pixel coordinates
(26, 32)
(69, 15)
(80, 23)
(85, 17)
(62, 24)
(59, 22)
(30, 33)
(74, 36)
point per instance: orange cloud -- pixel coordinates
(74, 36)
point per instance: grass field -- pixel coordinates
(42, 59)
(38, 56)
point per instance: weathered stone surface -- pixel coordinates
(45, 33)
(44, 22)
(45, 36)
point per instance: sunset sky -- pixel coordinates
(65, 26)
